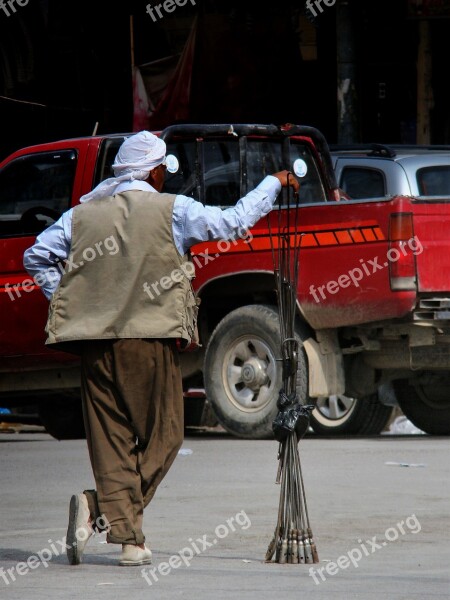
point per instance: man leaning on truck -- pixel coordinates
(130, 376)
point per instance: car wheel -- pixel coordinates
(426, 402)
(62, 417)
(342, 415)
(241, 374)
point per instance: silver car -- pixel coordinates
(379, 171)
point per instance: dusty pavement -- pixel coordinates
(382, 530)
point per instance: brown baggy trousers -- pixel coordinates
(133, 412)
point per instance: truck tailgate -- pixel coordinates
(432, 228)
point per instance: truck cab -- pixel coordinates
(371, 302)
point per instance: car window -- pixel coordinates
(181, 182)
(107, 154)
(184, 180)
(311, 186)
(221, 172)
(35, 190)
(362, 182)
(266, 157)
(210, 169)
(219, 178)
(434, 181)
(263, 158)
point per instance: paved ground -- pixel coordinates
(353, 495)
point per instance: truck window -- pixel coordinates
(184, 180)
(434, 181)
(106, 156)
(311, 186)
(362, 182)
(35, 190)
(181, 182)
(265, 157)
(221, 172)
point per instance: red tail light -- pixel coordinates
(401, 258)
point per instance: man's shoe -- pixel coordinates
(133, 556)
(79, 529)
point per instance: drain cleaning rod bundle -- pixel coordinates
(293, 540)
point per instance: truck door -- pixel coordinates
(35, 189)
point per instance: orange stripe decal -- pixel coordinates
(359, 235)
(308, 241)
(377, 231)
(369, 235)
(326, 239)
(344, 237)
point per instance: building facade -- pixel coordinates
(356, 69)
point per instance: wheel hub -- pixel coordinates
(254, 373)
(335, 407)
(249, 373)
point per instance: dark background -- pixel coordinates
(66, 66)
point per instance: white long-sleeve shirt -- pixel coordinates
(192, 223)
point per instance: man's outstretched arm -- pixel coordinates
(195, 223)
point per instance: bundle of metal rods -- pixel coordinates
(293, 540)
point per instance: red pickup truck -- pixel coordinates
(373, 297)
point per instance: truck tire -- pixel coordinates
(341, 415)
(62, 417)
(241, 376)
(426, 402)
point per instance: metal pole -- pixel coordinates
(347, 125)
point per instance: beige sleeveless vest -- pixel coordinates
(124, 277)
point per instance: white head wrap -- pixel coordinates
(137, 156)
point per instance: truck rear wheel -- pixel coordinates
(426, 402)
(242, 378)
(342, 415)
